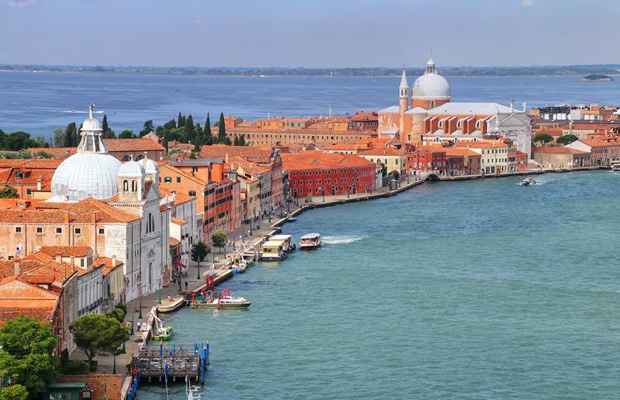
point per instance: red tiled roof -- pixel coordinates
(137, 144)
(557, 150)
(319, 160)
(66, 251)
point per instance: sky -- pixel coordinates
(309, 33)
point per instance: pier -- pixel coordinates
(169, 362)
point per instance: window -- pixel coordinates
(178, 179)
(39, 230)
(58, 230)
(125, 185)
(194, 169)
(167, 179)
(192, 193)
(28, 191)
(134, 186)
(18, 229)
(78, 231)
(101, 231)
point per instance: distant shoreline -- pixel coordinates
(569, 70)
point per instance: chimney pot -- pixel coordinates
(113, 261)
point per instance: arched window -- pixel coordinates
(432, 104)
(125, 186)
(134, 186)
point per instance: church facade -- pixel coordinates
(426, 114)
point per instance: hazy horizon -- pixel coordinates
(308, 33)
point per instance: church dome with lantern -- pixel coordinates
(91, 172)
(431, 85)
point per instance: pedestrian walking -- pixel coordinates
(186, 285)
(138, 326)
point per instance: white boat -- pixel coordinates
(310, 241)
(272, 251)
(528, 181)
(615, 166)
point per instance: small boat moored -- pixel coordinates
(310, 241)
(615, 166)
(161, 331)
(220, 301)
(272, 251)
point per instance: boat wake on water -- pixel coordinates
(341, 239)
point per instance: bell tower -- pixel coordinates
(403, 99)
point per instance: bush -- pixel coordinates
(77, 367)
(15, 392)
(123, 307)
(92, 367)
(118, 314)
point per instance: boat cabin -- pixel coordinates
(310, 241)
(286, 240)
(272, 251)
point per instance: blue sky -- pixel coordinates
(309, 33)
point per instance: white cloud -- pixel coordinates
(527, 3)
(19, 3)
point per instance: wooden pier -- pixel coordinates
(171, 361)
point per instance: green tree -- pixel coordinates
(26, 354)
(198, 254)
(219, 239)
(70, 138)
(126, 134)
(147, 128)
(542, 138)
(15, 392)
(98, 334)
(236, 141)
(208, 136)
(242, 140)
(8, 192)
(165, 142)
(180, 121)
(221, 136)
(566, 139)
(190, 133)
(107, 132)
(59, 136)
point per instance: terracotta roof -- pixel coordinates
(107, 263)
(109, 385)
(459, 152)
(22, 298)
(178, 221)
(221, 151)
(319, 160)
(383, 151)
(137, 144)
(66, 251)
(174, 242)
(55, 151)
(163, 165)
(483, 144)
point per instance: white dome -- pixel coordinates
(151, 167)
(431, 85)
(91, 124)
(85, 175)
(131, 169)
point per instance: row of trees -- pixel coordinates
(19, 141)
(184, 130)
(545, 138)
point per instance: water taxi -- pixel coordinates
(221, 301)
(272, 251)
(615, 166)
(528, 181)
(310, 241)
(286, 241)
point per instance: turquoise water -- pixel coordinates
(469, 290)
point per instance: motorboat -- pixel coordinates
(528, 181)
(221, 301)
(615, 166)
(310, 241)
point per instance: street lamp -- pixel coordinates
(140, 296)
(198, 276)
(159, 291)
(323, 194)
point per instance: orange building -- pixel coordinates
(30, 177)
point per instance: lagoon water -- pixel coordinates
(39, 103)
(464, 290)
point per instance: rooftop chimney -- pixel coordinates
(17, 268)
(113, 261)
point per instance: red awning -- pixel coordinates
(180, 264)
